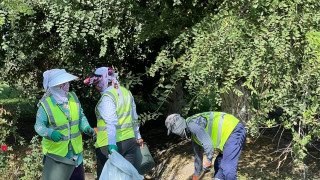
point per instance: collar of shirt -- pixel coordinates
(54, 102)
(109, 88)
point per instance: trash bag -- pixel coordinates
(55, 164)
(118, 168)
(143, 159)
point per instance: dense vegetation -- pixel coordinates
(257, 59)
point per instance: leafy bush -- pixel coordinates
(270, 48)
(89, 157)
(7, 169)
(33, 162)
(265, 51)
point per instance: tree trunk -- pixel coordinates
(175, 100)
(237, 105)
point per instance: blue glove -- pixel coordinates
(115, 147)
(56, 136)
(91, 132)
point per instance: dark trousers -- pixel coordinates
(126, 148)
(225, 165)
(78, 172)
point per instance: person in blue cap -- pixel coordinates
(117, 123)
(60, 120)
(209, 131)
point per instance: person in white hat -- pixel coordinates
(116, 118)
(60, 120)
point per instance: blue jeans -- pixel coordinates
(225, 165)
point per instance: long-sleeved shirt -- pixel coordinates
(107, 109)
(42, 122)
(197, 127)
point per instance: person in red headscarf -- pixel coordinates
(116, 118)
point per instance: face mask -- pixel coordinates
(65, 87)
(60, 92)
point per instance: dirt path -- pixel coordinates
(174, 159)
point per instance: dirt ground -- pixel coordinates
(258, 161)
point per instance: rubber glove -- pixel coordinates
(195, 177)
(56, 136)
(206, 167)
(91, 132)
(115, 147)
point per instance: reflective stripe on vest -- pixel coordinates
(59, 122)
(210, 124)
(124, 114)
(76, 100)
(217, 130)
(128, 125)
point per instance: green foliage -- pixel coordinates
(269, 47)
(7, 169)
(89, 157)
(147, 116)
(32, 163)
(5, 125)
(83, 35)
(7, 93)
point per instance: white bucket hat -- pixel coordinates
(56, 77)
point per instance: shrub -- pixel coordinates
(32, 163)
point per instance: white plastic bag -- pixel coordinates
(118, 168)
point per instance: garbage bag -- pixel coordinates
(118, 168)
(143, 159)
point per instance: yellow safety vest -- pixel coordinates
(59, 122)
(124, 113)
(219, 127)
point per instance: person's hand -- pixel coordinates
(140, 142)
(195, 177)
(115, 147)
(91, 132)
(56, 136)
(206, 167)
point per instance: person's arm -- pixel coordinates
(41, 123)
(198, 156)
(108, 112)
(83, 121)
(204, 138)
(85, 127)
(135, 121)
(136, 124)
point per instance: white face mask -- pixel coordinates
(60, 92)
